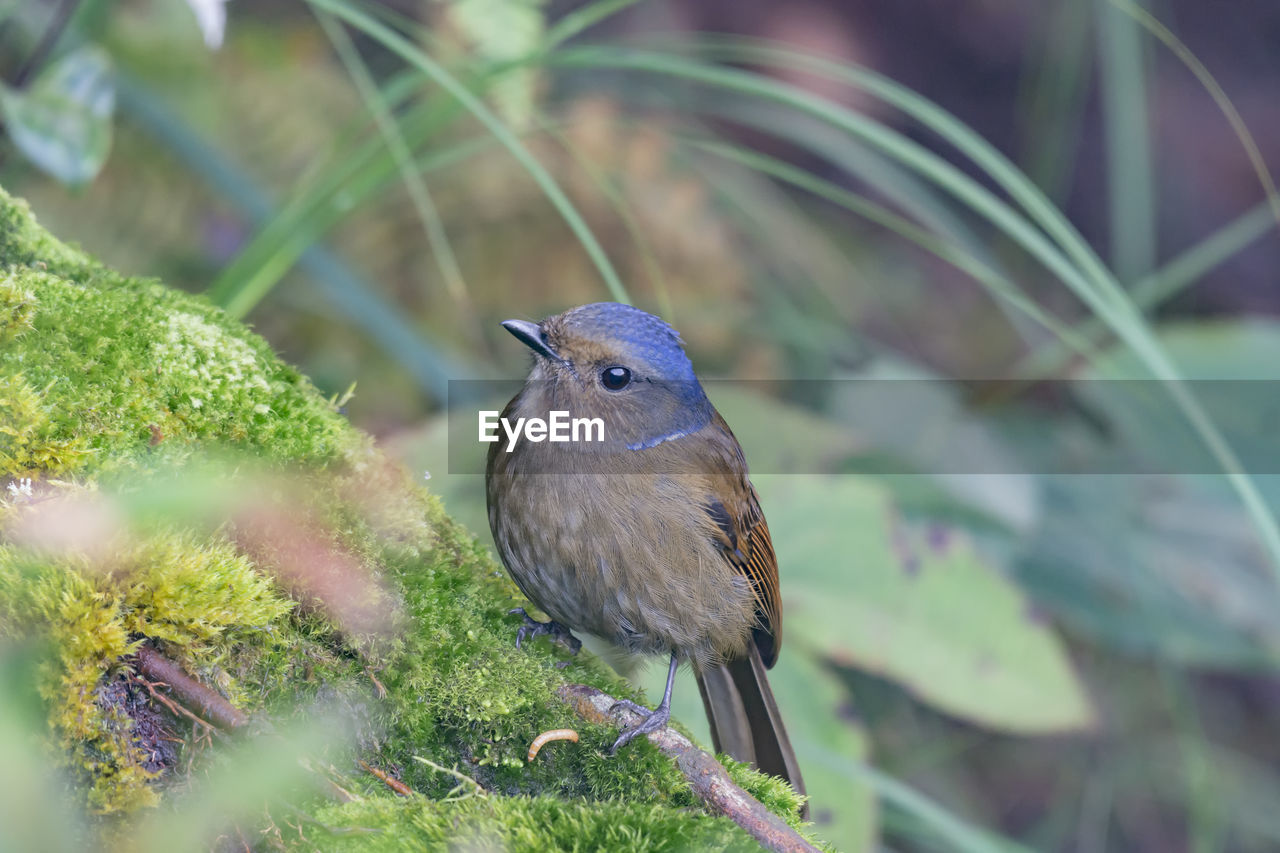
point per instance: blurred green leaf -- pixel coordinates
(1154, 565)
(919, 607)
(1166, 563)
(255, 774)
(34, 810)
(919, 420)
(62, 122)
(820, 720)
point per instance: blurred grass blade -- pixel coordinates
(1053, 98)
(1126, 126)
(423, 204)
(1205, 817)
(1193, 264)
(895, 145)
(412, 54)
(875, 170)
(963, 138)
(580, 20)
(1156, 289)
(995, 281)
(1215, 91)
(337, 190)
(795, 270)
(1091, 282)
(618, 201)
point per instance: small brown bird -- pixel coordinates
(650, 537)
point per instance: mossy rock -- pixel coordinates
(115, 391)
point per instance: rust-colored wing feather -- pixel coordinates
(746, 544)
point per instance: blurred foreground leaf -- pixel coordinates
(62, 122)
(923, 609)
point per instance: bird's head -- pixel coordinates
(617, 363)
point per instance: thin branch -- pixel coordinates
(191, 693)
(464, 781)
(390, 781)
(709, 781)
(174, 708)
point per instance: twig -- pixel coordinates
(708, 779)
(390, 781)
(174, 708)
(381, 690)
(464, 781)
(191, 693)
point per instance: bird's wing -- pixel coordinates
(744, 541)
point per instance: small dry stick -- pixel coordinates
(390, 781)
(382, 691)
(174, 708)
(464, 781)
(546, 737)
(708, 779)
(191, 693)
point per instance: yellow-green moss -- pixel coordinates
(17, 305)
(29, 442)
(112, 384)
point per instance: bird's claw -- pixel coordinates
(630, 706)
(533, 628)
(652, 722)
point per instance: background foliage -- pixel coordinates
(983, 651)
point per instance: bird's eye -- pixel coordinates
(615, 378)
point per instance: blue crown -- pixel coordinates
(637, 333)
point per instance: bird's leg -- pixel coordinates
(533, 628)
(653, 720)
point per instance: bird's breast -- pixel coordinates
(630, 555)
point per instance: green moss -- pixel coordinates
(108, 386)
(533, 824)
(23, 243)
(85, 628)
(134, 375)
(17, 306)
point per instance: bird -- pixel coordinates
(649, 535)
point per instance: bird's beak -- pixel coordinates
(530, 334)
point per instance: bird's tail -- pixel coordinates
(744, 718)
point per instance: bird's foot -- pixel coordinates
(652, 722)
(533, 628)
(633, 707)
